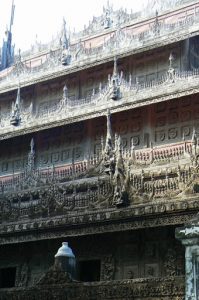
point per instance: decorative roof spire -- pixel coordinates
(7, 55)
(65, 41)
(16, 109)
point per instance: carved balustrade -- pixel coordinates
(52, 174)
(150, 288)
(161, 185)
(138, 177)
(130, 93)
(123, 39)
(165, 153)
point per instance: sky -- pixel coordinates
(43, 18)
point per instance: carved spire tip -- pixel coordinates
(32, 144)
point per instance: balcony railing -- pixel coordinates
(121, 40)
(164, 288)
(132, 91)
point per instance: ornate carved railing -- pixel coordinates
(151, 288)
(130, 92)
(163, 153)
(73, 171)
(87, 185)
(42, 176)
(122, 39)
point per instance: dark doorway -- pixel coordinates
(89, 270)
(7, 277)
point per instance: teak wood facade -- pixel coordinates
(99, 147)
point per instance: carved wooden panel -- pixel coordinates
(174, 120)
(164, 123)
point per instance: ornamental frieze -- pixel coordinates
(43, 229)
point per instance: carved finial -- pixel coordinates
(156, 24)
(171, 71)
(116, 137)
(19, 55)
(16, 108)
(119, 145)
(100, 87)
(65, 92)
(109, 131)
(107, 16)
(108, 149)
(64, 36)
(18, 64)
(66, 57)
(132, 145)
(32, 144)
(171, 59)
(115, 82)
(109, 79)
(183, 136)
(31, 156)
(194, 142)
(102, 142)
(115, 72)
(156, 13)
(130, 79)
(18, 96)
(194, 138)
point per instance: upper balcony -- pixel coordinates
(123, 40)
(119, 94)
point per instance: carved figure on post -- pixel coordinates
(16, 110)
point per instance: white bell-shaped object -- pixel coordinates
(65, 250)
(66, 259)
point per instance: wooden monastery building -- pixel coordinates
(99, 148)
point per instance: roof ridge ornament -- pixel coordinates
(107, 21)
(19, 66)
(65, 42)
